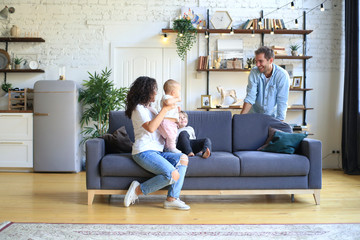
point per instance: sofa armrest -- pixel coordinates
(95, 151)
(311, 148)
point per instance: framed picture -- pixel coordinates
(205, 101)
(197, 15)
(297, 82)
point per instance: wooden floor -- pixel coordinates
(62, 198)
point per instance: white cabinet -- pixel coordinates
(16, 140)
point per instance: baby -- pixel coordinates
(187, 141)
(168, 127)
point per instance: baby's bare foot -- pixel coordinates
(207, 153)
(191, 154)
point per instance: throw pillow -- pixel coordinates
(270, 137)
(283, 142)
(118, 142)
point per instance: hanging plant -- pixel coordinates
(186, 36)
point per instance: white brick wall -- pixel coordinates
(78, 34)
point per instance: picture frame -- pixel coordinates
(197, 15)
(297, 80)
(205, 101)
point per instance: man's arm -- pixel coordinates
(282, 97)
(251, 93)
(246, 108)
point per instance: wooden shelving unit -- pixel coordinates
(304, 32)
(7, 40)
(19, 99)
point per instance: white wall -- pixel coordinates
(79, 34)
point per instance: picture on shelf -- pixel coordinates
(296, 82)
(205, 101)
(197, 15)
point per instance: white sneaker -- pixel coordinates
(177, 204)
(175, 150)
(131, 196)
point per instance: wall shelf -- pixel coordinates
(21, 39)
(22, 70)
(245, 31)
(223, 70)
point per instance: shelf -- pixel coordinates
(300, 89)
(22, 70)
(245, 31)
(299, 109)
(21, 39)
(238, 108)
(291, 57)
(223, 70)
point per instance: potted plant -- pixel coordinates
(294, 48)
(99, 96)
(186, 36)
(17, 62)
(6, 86)
(250, 62)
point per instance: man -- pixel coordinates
(268, 86)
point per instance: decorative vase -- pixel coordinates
(15, 31)
(294, 53)
(17, 66)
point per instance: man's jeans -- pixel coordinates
(162, 164)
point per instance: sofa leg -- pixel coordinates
(91, 195)
(316, 195)
(292, 197)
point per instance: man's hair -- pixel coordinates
(268, 52)
(184, 113)
(169, 85)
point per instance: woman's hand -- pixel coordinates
(152, 125)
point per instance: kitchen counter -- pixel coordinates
(16, 111)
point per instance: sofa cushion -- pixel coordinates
(251, 130)
(219, 164)
(214, 125)
(117, 142)
(262, 164)
(284, 142)
(270, 137)
(118, 119)
(121, 165)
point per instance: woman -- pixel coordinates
(169, 168)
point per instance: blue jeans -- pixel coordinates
(162, 164)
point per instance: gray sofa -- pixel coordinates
(234, 167)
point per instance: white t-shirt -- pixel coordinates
(190, 130)
(145, 140)
(173, 113)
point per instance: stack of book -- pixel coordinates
(295, 105)
(278, 50)
(203, 63)
(266, 23)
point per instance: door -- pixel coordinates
(160, 63)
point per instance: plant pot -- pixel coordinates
(17, 66)
(294, 53)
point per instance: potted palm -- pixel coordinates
(186, 36)
(99, 96)
(294, 48)
(17, 62)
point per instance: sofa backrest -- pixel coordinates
(118, 119)
(250, 131)
(215, 125)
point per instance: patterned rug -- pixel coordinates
(19, 231)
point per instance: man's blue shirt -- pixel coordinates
(268, 97)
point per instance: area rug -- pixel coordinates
(19, 231)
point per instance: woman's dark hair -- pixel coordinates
(140, 92)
